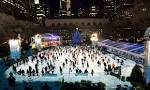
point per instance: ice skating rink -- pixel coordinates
(69, 64)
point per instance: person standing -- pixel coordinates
(92, 72)
(30, 70)
(43, 71)
(60, 70)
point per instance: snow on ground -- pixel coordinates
(99, 74)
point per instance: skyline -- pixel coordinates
(53, 5)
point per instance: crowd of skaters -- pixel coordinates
(75, 59)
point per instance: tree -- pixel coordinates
(147, 87)
(137, 77)
(10, 27)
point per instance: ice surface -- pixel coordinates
(99, 74)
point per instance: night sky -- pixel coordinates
(85, 4)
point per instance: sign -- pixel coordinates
(15, 51)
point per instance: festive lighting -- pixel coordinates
(38, 39)
(94, 37)
(36, 1)
(15, 47)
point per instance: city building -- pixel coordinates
(110, 8)
(93, 11)
(65, 26)
(20, 9)
(65, 8)
(41, 10)
(124, 8)
(119, 8)
(81, 12)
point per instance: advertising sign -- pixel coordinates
(14, 45)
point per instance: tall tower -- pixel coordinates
(110, 8)
(40, 13)
(68, 7)
(65, 8)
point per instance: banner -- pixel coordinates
(15, 51)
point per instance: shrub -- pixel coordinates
(136, 75)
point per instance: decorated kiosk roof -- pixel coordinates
(49, 36)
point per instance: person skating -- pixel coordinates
(63, 65)
(45, 69)
(86, 71)
(104, 64)
(33, 72)
(30, 70)
(113, 67)
(23, 73)
(42, 71)
(87, 64)
(19, 72)
(14, 69)
(70, 70)
(122, 62)
(66, 60)
(60, 70)
(92, 72)
(11, 80)
(27, 72)
(99, 63)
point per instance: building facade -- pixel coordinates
(41, 11)
(65, 27)
(124, 8)
(65, 8)
(20, 9)
(119, 8)
(110, 8)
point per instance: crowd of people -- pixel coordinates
(62, 60)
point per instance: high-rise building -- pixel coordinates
(81, 12)
(110, 8)
(20, 9)
(120, 8)
(65, 8)
(124, 8)
(41, 11)
(93, 11)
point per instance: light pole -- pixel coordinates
(147, 55)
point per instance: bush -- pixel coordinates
(139, 88)
(147, 87)
(83, 85)
(136, 75)
(128, 79)
(101, 86)
(123, 78)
